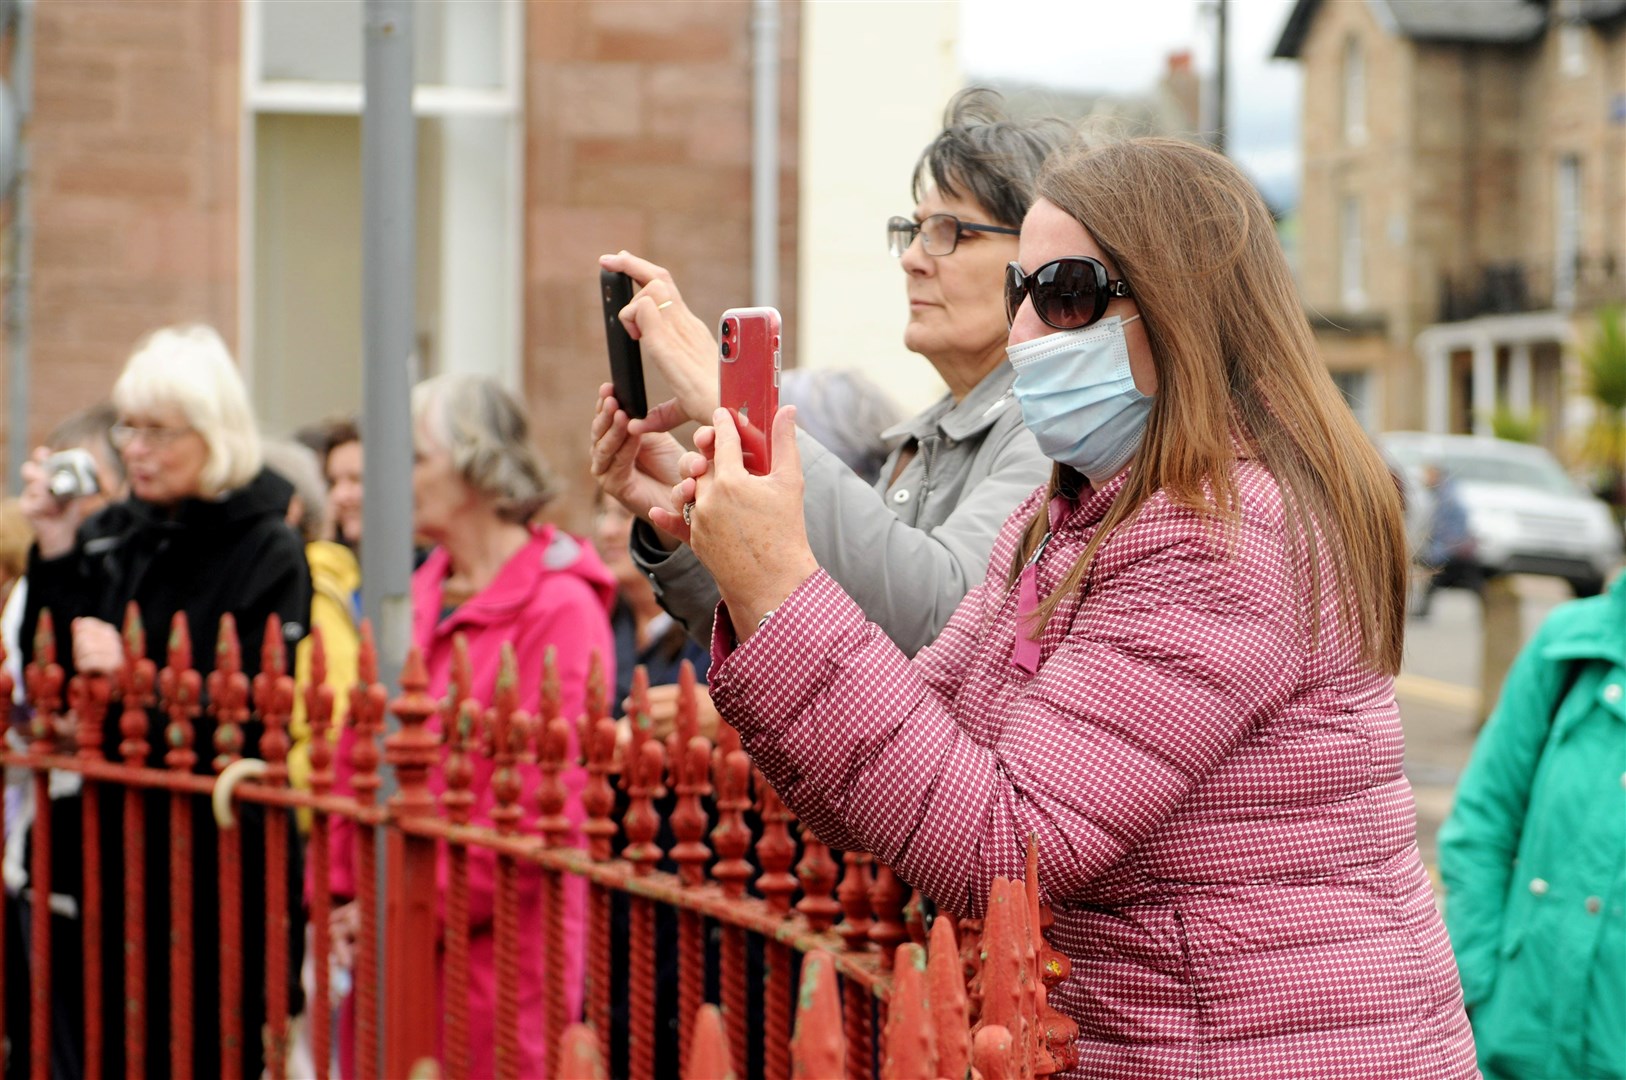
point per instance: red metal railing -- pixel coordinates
(872, 1000)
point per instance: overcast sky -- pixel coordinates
(1122, 46)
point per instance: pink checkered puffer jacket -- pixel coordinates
(1225, 832)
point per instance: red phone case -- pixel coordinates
(748, 370)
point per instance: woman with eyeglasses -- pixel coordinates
(1178, 675)
(909, 544)
(203, 532)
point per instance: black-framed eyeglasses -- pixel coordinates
(940, 232)
(1067, 293)
(122, 435)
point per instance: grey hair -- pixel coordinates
(190, 368)
(845, 412)
(984, 153)
(297, 464)
(485, 430)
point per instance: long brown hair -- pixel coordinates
(1235, 361)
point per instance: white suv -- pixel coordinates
(1525, 513)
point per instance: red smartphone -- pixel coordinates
(748, 374)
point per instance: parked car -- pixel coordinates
(1525, 513)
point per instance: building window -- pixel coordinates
(1567, 230)
(1571, 38)
(1352, 260)
(1356, 388)
(301, 272)
(1354, 92)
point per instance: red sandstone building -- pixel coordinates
(201, 161)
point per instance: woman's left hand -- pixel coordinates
(748, 530)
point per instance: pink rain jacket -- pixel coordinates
(1225, 831)
(553, 592)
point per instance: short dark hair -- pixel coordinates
(324, 435)
(89, 427)
(983, 153)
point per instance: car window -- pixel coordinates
(1529, 472)
(1533, 471)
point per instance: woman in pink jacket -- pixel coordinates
(1178, 674)
(492, 579)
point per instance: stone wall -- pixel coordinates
(134, 186)
(639, 137)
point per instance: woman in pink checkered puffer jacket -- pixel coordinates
(1178, 674)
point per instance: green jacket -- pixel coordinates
(1534, 855)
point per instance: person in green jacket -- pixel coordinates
(1534, 855)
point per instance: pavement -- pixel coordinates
(1439, 696)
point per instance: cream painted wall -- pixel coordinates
(876, 77)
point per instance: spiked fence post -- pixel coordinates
(1005, 972)
(886, 896)
(319, 715)
(507, 734)
(911, 1035)
(732, 838)
(598, 800)
(817, 1050)
(553, 750)
(180, 690)
(459, 733)
(642, 825)
(858, 1007)
(949, 1014)
(88, 696)
(412, 891)
(709, 1059)
(580, 1057)
(692, 782)
(994, 1054)
(44, 679)
(140, 678)
(274, 697)
(368, 702)
(817, 873)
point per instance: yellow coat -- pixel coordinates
(335, 581)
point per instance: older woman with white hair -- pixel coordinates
(495, 577)
(202, 533)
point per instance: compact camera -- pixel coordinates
(71, 474)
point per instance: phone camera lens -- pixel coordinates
(728, 329)
(725, 350)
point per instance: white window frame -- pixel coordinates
(1353, 82)
(1351, 255)
(307, 98)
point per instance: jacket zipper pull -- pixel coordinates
(1026, 653)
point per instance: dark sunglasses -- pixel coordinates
(1067, 293)
(942, 233)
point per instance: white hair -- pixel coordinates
(485, 430)
(189, 368)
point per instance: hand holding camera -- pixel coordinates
(54, 493)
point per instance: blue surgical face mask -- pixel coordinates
(1078, 397)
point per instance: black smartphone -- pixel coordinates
(626, 363)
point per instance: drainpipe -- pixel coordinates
(765, 152)
(18, 324)
(389, 263)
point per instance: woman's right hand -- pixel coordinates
(97, 647)
(55, 523)
(673, 339)
(636, 470)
